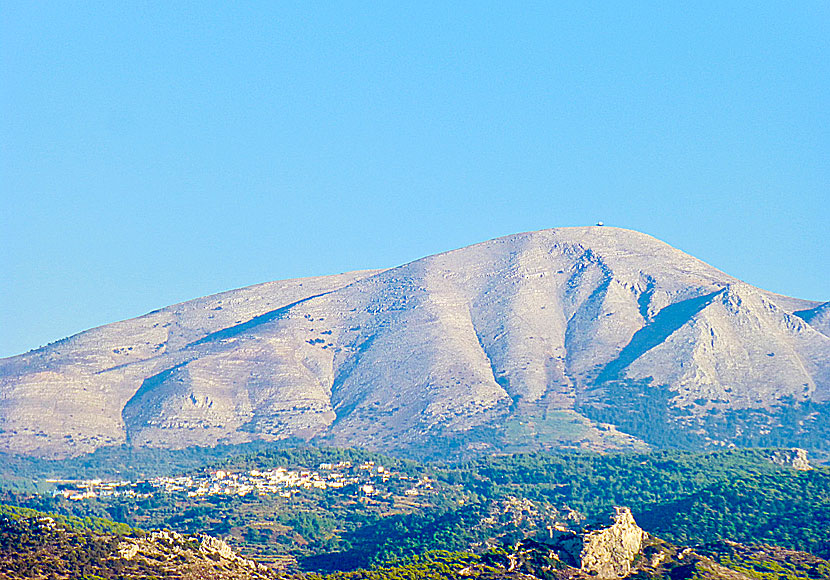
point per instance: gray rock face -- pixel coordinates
(505, 335)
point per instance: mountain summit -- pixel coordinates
(588, 337)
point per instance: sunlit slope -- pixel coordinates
(503, 337)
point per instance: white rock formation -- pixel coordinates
(609, 552)
(794, 458)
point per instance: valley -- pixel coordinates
(392, 508)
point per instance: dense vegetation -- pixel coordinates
(33, 545)
(787, 511)
(88, 524)
(685, 497)
(645, 410)
(483, 504)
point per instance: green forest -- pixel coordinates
(683, 497)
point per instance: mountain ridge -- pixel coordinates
(498, 335)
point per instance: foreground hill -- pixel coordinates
(594, 338)
(37, 546)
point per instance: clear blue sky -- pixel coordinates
(155, 152)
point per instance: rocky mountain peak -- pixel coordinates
(533, 341)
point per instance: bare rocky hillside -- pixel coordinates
(591, 337)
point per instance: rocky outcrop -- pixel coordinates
(128, 550)
(36, 547)
(794, 458)
(160, 542)
(219, 549)
(609, 552)
(604, 552)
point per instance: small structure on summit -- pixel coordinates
(606, 552)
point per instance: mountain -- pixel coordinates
(589, 337)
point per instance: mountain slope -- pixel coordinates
(818, 317)
(489, 346)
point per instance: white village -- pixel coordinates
(364, 479)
